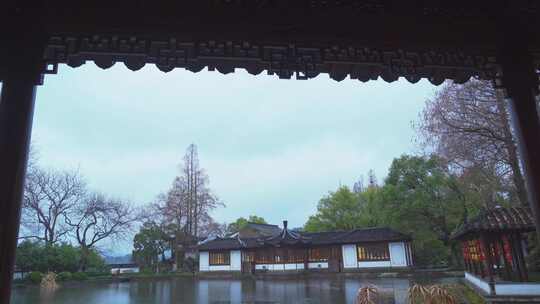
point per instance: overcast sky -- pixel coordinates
(271, 147)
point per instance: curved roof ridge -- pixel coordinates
(515, 218)
(265, 224)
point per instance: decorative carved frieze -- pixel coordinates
(454, 8)
(285, 61)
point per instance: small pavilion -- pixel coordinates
(494, 247)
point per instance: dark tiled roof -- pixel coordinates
(383, 234)
(498, 219)
(221, 243)
(288, 237)
(266, 229)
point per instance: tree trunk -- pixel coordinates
(83, 263)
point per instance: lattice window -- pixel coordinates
(248, 256)
(321, 254)
(220, 258)
(474, 250)
(296, 255)
(373, 252)
(280, 255)
(264, 256)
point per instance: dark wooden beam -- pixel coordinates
(520, 80)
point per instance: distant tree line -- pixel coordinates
(241, 222)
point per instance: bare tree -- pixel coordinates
(183, 212)
(171, 207)
(48, 196)
(188, 203)
(208, 227)
(468, 125)
(96, 218)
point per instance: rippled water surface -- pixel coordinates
(217, 291)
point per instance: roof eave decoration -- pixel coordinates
(498, 219)
(283, 60)
(286, 237)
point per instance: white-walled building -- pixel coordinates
(261, 247)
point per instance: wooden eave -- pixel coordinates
(418, 39)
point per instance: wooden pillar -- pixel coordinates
(522, 257)
(466, 256)
(406, 246)
(488, 262)
(507, 265)
(520, 80)
(306, 258)
(517, 253)
(16, 113)
(411, 251)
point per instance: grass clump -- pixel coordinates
(35, 277)
(79, 276)
(64, 276)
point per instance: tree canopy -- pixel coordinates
(419, 197)
(149, 245)
(241, 222)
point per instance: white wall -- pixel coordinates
(374, 264)
(279, 267)
(513, 289)
(476, 281)
(350, 259)
(318, 265)
(124, 270)
(203, 261)
(397, 257)
(505, 289)
(397, 254)
(235, 262)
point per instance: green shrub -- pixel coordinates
(92, 274)
(64, 276)
(35, 277)
(147, 271)
(190, 265)
(79, 276)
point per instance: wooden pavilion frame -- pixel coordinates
(494, 252)
(360, 39)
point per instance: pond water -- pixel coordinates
(336, 290)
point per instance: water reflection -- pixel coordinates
(209, 291)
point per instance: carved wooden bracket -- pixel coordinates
(283, 60)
